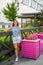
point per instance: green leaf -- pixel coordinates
(10, 11)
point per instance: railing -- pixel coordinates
(32, 3)
(29, 31)
(8, 48)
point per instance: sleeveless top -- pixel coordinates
(15, 31)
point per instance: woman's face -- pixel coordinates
(15, 23)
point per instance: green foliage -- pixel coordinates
(3, 58)
(10, 11)
(26, 27)
(35, 24)
(40, 17)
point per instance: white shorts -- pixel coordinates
(16, 39)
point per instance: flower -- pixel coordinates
(32, 36)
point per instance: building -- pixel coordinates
(4, 25)
(28, 18)
(25, 7)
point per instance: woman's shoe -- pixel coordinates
(16, 59)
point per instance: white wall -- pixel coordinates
(6, 26)
(0, 26)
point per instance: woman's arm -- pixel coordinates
(8, 29)
(20, 34)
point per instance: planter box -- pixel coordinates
(30, 48)
(40, 36)
(41, 45)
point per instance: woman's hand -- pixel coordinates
(7, 30)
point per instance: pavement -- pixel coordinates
(25, 61)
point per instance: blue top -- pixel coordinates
(15, 31)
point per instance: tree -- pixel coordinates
(35, 24)
(40, 17)
(10, 11)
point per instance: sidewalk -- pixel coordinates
(24, 61)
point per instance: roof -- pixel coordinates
(2, 23)
(28, 15)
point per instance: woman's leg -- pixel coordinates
(16, 49)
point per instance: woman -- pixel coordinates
(16, 37)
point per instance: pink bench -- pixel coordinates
(30, 48)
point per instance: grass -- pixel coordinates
(1, 30)
(26, 27)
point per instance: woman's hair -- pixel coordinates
(17, 23)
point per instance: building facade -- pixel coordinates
(4, 25)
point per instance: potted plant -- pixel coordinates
(10, 11)
(32, 36)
